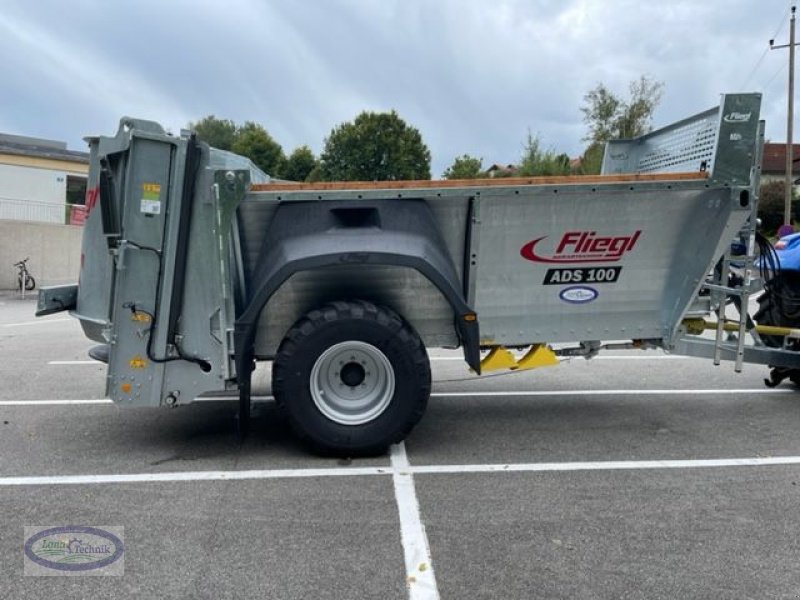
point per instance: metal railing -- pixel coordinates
(41, 212)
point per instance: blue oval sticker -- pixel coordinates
(74, 548)
(578, 294)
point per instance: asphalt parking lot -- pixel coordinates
(630, 476)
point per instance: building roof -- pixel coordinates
(774, 159)
(40, 148)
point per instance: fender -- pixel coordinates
(309, 235)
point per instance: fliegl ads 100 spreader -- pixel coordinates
(195, 265)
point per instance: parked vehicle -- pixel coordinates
(195, 265)
(25, 281)
(779, 305)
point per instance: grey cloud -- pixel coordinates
(473, 76)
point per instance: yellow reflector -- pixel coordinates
(140, 317)
(137, 362)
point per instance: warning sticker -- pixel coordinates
(151, 199)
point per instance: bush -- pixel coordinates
(771, 206)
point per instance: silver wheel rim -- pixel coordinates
(352, 383)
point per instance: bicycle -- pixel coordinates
(25, 281)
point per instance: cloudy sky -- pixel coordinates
(472, 75)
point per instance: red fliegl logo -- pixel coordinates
(91, 198)
(581, 247)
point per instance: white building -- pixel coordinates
(40, 180)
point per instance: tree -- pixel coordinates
(375, 147)
(610, 117)
(465, 167)
(219, 133)
(253, 141)
(771, 200)
(592, 159)
(299, 164)
(537, 162)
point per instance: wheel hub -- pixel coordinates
(353, 374)
(352, 383)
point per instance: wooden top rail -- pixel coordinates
(459, 183)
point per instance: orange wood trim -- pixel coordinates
(459, 183)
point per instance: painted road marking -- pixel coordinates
(420, 579)
(656, 357)
(184, 476)
(602, 357)
(53, 402)
(615, 393)
(538, 393)
(75, 362)
(440, 358)
(40, 322)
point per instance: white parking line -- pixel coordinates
(432, 358)
(601, 357)
(184, 476)
(521, 393)
(180, 476)
(656, 357)
(420, 579)
(619, 465)
(53, 402)
(764, 390)
(40, 322)
(75, 362)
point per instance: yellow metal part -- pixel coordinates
(137, 362)
(697, 326)
(498, 358)
(140, 317)
(538, 356)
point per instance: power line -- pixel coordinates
(781, 24)
(782, 68)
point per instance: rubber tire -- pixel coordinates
(780, 305)
(345, 321)
(30, 283)
(772, 309)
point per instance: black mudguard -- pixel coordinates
(310, 235)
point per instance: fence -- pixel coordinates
(42, 212)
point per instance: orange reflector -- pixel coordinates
(471, 317)
(126, 388)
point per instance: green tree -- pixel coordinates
(592, 159)
(315, 174)
(299, 164)
(375, 147)
(253, 141)
(219, 133)
(611, 117)
(538, 162)
(771, 200)
(465, 167)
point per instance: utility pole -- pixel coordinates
(787, 206)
